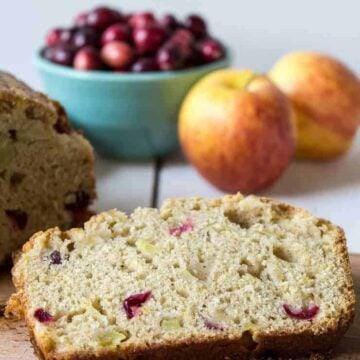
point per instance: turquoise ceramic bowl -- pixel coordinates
(131, 116)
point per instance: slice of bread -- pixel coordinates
(232, 278)
(46, 168)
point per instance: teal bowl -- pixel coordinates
(124, 115)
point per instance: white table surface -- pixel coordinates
(328, 189)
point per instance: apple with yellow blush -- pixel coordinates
(325, 95)
(236, 128)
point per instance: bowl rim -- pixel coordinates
(95, 75)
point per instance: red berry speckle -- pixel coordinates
(302, 314)
(43, 316)
(55, 258)
(179, 229)
(212, 326)
(134, 302)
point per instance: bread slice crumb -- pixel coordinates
(231, 278)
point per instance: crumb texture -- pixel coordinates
(45, 166)
(245, 271)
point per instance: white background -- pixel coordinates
(258, 31)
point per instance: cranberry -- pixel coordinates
(116, 32)
(185, 41)
(81, 19)
(141, 19)
(145, 64)
(196, 25)
(183, 36)
(55, 258)
(43, 316)
(47, 52)
(302, 314)
(194, 58)
(169, 22)
(85, 36)
(18, 218)
(148, 39)
(62, 54)
(88, 58)
(211, 50)
(170, 57)
(117, 54)
(67, 35)
(212, 326)
(81, 200)
(179, 229)
(134, 302)
(102, 17)
(53, 37)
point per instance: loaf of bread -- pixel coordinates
(46, 168)
(233, 278)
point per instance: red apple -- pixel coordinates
(236, 128)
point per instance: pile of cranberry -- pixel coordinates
(106, 39)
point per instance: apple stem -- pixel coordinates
(250, 80)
